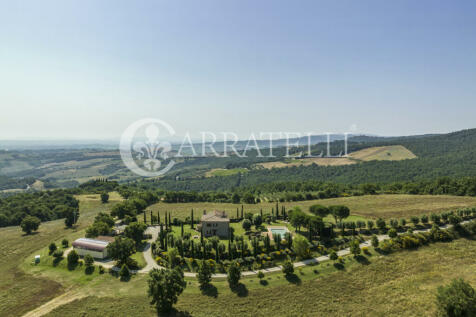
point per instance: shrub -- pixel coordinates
(415, 220)
(424, 219)
(72, 258)
(101, 269)
(374, 241)
(246, 224)
(288, 268)
(365, 250)
(234, 274)
(88, 260)
(260, 275)
(333, 255)
(52, 248)
(403, 222)
(355, 247)
(456, 299)
(204, 275)
(124, 273)
(65, 243)
(392, 233)
(58, 254)
(381, 224)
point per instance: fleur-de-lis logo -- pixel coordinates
(152, 150)
(147, 157)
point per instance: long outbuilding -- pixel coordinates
(97, 248)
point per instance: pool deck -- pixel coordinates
(270, 233)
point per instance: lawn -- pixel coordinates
(362, 207)
(401, 284)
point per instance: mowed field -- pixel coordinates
(19, 291)
(371, 207)
(383, 153)
(401, 284)
(380, 153)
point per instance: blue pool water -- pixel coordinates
(280, 231)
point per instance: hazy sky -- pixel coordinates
(87, 69)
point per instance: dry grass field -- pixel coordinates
(385, 206)
(381, 153)
(401, 284)
(20, 291)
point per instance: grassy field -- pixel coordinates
(402, 284)
(20, 291)
(384, 286)
(323, 161)
(383, 153)
(225, 172)
(385, 206)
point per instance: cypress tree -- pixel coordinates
(241, 212)
(170, 222)
(151, 218)
(277, 206)
(237, 216)
(158, 217)
(191, 224)
(182, 229)
(145, 218)
(261, 213)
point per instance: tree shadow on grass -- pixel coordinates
(263, 282)
(209, 290)
(240, 290)
(294, 279)
(339, 266)
(89, 270)
(30, 234)
(381, 252)
(362, 259)
(174, 313)
(57, 261)
(72, 266)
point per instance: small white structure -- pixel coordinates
(37, 259)
(94, 247)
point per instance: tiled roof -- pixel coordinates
(216, 216)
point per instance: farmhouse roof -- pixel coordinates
(216, 216)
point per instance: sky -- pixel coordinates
(88, 69)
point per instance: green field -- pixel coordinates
(370, 207)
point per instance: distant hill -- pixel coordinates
(452, 155)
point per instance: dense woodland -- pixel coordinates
(47, 205)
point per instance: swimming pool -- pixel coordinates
(281, 231)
